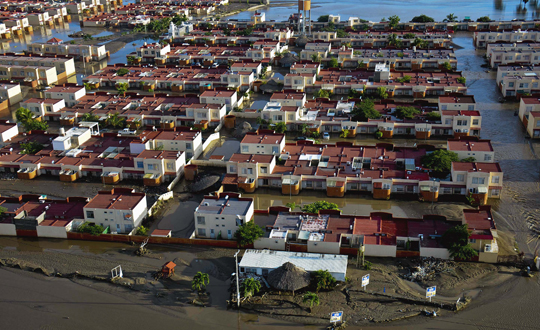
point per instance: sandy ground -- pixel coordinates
(388, 297)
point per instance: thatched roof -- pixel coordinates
(271, 86)
(288, 277)
(302, 41)
(288, 59)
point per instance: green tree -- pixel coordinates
(250, 286)
(248, 233)
(340, 33)
(199, 282)
(484, 19)
(409, 35)
(381, 93)
(422, 19)
(324, 280)
(31, 148)
(322, 93)
(403, 112)
(440, 160)
(116, 121)
(333, 63)
(36, 125)
(312, 299)
(378, 134)
(365, 110)
(142, 231)
(304, 129)
(23, 115)
(450, 18)
(462, 80)
(323, 18)
(90, 117)
(361, 64)
(447, 66)
(393, 40)
(122, 72)
(456, 240)
(316, 58)
(434, 116)
(291, 205)
(315, 207)
(404, 79)
(344, 133)
(91, 228)
(122, 88)
(393, 21)
(88, 86)
(468, 160)
(280, 127)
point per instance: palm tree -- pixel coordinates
(450, 18)
(200, 280)
(115, 120)
(250, 286)
(316, 58)
(312, 299)
(23, 115)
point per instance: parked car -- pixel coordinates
(303, 138)
(326, 136)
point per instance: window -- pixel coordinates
(460, 178)
(487, 157)
(152, 166)
(188, 145)
(232, 169)
(245, 148)
(201, 220)
(473, 240)
(264, 169)
(511, 84)
(275, 149)
(386, 186)
(140, 165)
(170, 166)
(495, 179)
(249, 171)
(478, 180)
(201, 231)
(90, 214)
(475, 122)
(471, 107)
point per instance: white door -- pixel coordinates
(212, 235)
(229, 234)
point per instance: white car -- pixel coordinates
(326, 136)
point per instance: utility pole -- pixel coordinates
(237, 280)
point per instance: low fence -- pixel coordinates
(252, 115)
(155, 240)
(212, 137)
(209, 162)
(164, 197)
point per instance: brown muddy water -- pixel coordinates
(33, 301)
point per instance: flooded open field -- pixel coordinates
(406, 9)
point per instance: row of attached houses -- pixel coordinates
(379, 234)
(529, 113)
(513, 53)
(56, 46)
(397, 84)
(119, 210)
(111, 157)
(194, 79)
(381, 170)
(458, 116)
(517, 80)
(165, 112)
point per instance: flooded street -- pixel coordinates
(516, 154)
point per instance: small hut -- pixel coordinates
(288, 60)
(168, 269)
(288, 277)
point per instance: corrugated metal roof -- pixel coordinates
(311, 262)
